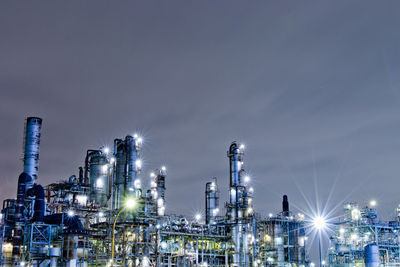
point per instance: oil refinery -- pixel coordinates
(103, 216)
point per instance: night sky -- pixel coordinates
(312, 88)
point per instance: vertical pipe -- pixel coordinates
(320, 250)
(32, 148)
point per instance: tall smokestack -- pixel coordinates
(31, 150)
(285, 206)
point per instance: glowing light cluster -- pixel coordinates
(319, 222)
(130, 203)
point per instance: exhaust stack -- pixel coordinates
(285, 206)
(31, 149)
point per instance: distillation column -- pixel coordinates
(97, 164)
(158, 190)
(212, 201)
(237, 209)
(127, 168)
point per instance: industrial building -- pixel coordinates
(104, 216)
(361, 239)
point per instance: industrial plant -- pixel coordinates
(104, 216)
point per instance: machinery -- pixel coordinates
(361, 239)
(103, 216)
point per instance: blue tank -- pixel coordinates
(371, 255)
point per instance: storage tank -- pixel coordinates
(371, 255)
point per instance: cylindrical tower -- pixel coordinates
(32, 148)
(285, 206)
(99, 177)
(212, 201)
(119, 172)
(235, 160)
(127, 168)
(158, 190)
(130, 168)
(237, 208)
(160, 181)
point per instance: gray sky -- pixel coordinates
(311, 88)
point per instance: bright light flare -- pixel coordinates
(319, 222)
(130, 203)
(71, 213)
(372, 203)
(197, 216)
